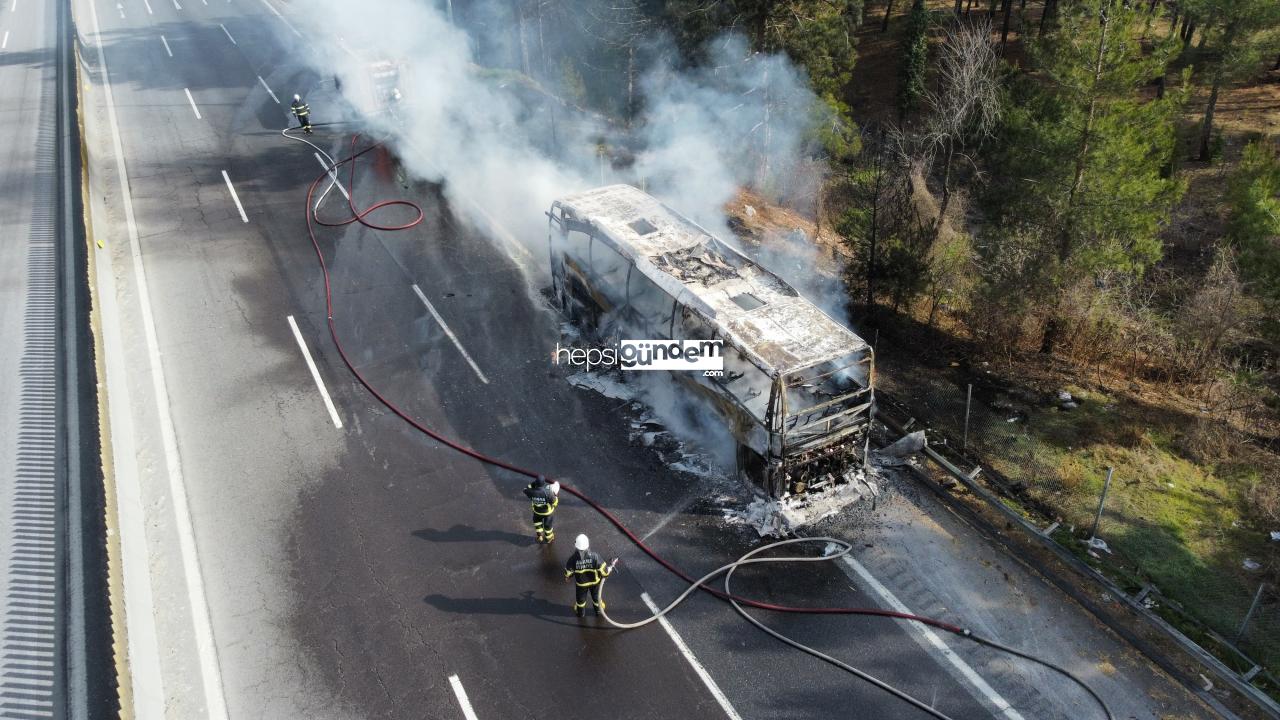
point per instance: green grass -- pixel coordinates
(1170, 520)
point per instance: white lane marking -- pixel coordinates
(467, 711)
(192, 100)
(166, 46)
(716, 692)
(273, 9)
(149, 690)
(268, 89)
(1002, 706)
(228, 32)
(176, 6)
(333, 174)
(449, 332)
(5, 43)
(315, 374)
(234, 196)
(148, 4)
(14, 6)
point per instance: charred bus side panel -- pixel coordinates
(797, 389)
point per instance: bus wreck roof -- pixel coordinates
(755, 310)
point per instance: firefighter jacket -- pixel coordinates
(544, 501)
(301, 109)
(586, 568)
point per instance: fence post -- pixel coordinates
(968, 399)
(1249, 615)
(1102, 501)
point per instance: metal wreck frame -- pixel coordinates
(797, 392)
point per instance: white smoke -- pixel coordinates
(741, 119)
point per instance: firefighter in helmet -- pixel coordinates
(588, 570)
(302, 111)
(544, 496)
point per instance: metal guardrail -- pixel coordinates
(1215, 666)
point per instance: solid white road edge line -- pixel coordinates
(234, 196)
(5, 43)
(716, 692)
(228, 32)
(268, 89)
(333, 174)
(467, 711)
(206, 649)
(315, 374)
(1002, 706)
(166, 46)
(449, 332)
(148, 4)
(192, 100)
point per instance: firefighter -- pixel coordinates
(302, 111)
(544, 497)
(587, 569)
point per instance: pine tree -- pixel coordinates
(1253, 195)
(915, 58)
(1081, 186)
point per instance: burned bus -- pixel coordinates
(797, 391)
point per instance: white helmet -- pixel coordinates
(555, 488)
(582, 543)
(297, 97)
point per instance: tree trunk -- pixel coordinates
(1048, 15)
(1160, 85)
(1204, 34)
(946, 187)
(1277, 67)
(1004, 31)
(875, 225)
(959, 7)
(524, 43)
(888, 8)
(1152, 8)
(1052, 329)
(1206, 127)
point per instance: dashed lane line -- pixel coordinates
(268, 89)
(166, 46)
(194, 109)
(234, 196)
(431, 308)
(315, 373)
(467, 711)
(696, 664)
(856, 571)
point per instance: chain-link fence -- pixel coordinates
(1029, 447)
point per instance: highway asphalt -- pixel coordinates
(286, 560)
